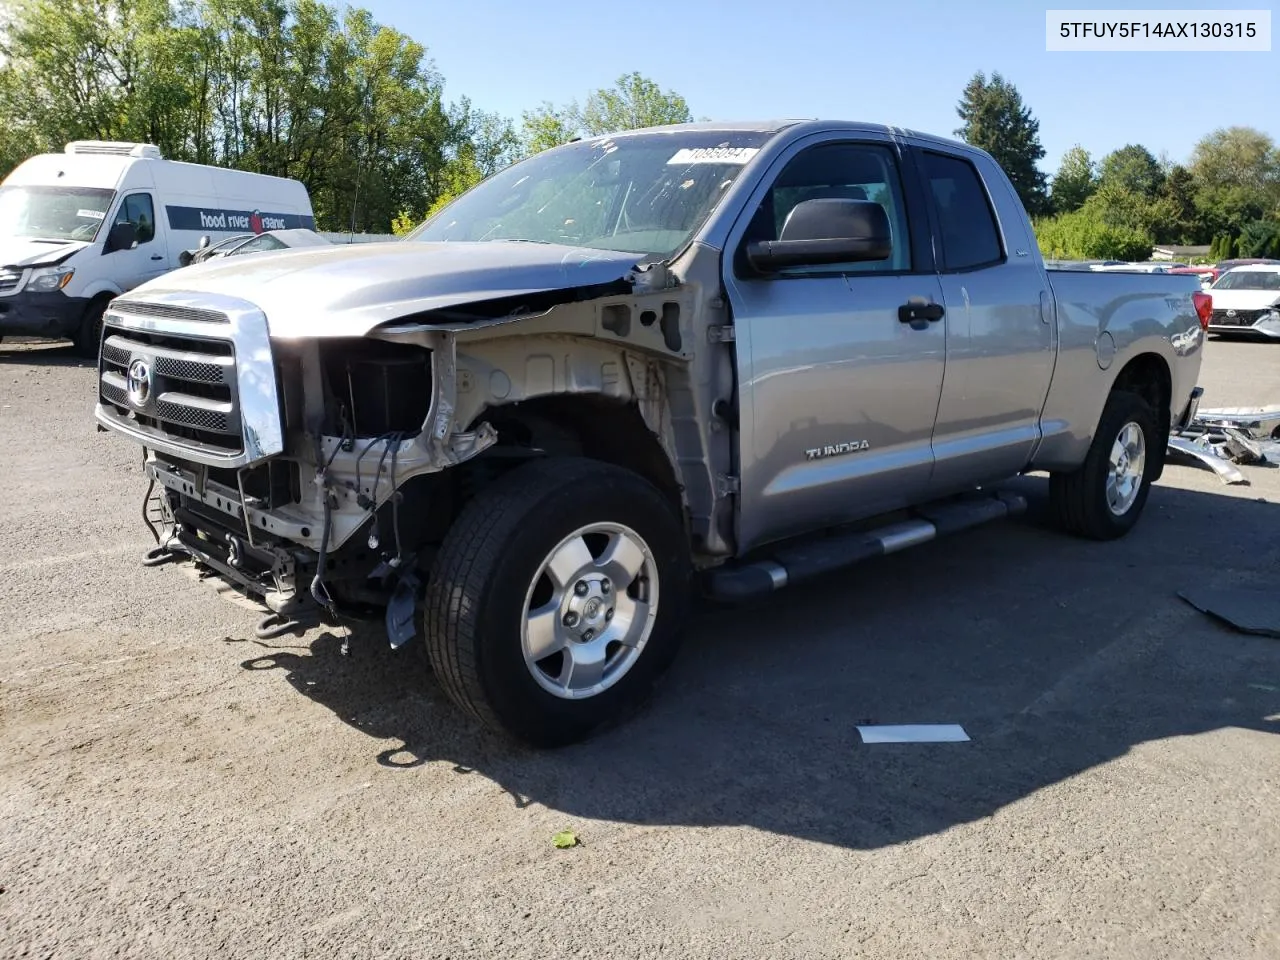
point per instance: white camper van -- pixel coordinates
(80, 227)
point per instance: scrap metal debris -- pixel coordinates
(1248, 611)
(912, 733)
(1230, 435)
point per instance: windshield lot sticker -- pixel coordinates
(91, 214)
(738, 155)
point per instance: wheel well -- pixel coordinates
(1148, 376)
(587, 425)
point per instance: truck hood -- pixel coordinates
(347, 290)
(1244, 299)
(24, 252)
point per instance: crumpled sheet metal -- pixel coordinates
(1223, 437)
(1207, 455)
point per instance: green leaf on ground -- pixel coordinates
(565, 839)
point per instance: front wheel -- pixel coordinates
(557, 599)
(1104, 497)
(87, 338)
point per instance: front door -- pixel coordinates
(837, 395)
(150, 258)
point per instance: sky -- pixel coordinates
(904, 63)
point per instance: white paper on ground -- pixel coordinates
(913, 733)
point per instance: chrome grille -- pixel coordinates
(166, 311)
(193, 371)
(176, 408)
(114, 391)
(9, 280)
(184, 387)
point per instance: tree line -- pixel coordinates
(293, 88)
(356, 110)
(1226, 195)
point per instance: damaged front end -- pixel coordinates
(282, 465)
(316, 473)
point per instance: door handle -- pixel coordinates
(158, 256)
(918, 308)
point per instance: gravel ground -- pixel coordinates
(172, 788)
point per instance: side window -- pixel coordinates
(969, 235)
(850, 171)
(138, 210)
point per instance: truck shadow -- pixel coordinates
(1056, 655)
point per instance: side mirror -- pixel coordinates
(826, 231)
(204, 242)
(184, 258)
(122, 236)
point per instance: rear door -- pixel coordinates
(837, 395)
(1000, 324)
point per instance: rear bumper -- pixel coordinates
(27, 314)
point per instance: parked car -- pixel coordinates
(629, 373)
(252, 243)
(1145, 267)
(82, 226)
(1246, 299)
(1209, 275)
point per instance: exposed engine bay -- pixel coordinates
(383, 437)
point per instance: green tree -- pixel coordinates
(633, 102)
(547, 126)
(1075, 180)
(1082, 236)
(996, 120)
(293, 88)
(1132, 168)
(1260, 239)
(1180, 219)
(1236, 172)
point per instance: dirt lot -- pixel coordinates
(171, 788)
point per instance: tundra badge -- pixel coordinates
(836, 449)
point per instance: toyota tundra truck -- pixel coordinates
(628, 374)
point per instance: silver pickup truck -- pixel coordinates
(633, 373)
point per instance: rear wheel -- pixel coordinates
(557, 599)
(1104, 497)
(88, 338)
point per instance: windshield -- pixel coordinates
(1249, 280)
(53, 213)
(643, 193)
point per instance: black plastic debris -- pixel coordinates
(1245, 610)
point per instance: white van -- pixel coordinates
(80, 227)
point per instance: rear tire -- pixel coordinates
(88, 338)
(496, 599)
(1103, 498)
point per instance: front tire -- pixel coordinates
(1103, 498)
(557, 599)
(88, 337)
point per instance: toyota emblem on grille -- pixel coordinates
(138, 382)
